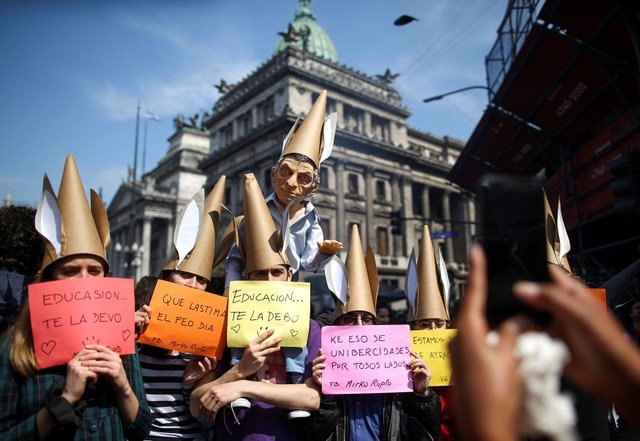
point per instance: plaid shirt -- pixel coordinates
(22, 398)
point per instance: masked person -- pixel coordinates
(98, 394)
(296, 176)
(260, 410)
(169, 376)
(429, 310)
(390, 416)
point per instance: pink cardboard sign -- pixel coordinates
(366, 359)
(68, 314)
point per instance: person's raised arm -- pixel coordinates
(253, 358)
(603, 362)
(488, 391)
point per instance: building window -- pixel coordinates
(382, 242)
(354, 188)
(244, 124)
(326, 228)
(353, 119)
(266, 110)
(226, 135)
(379, 128)
(381, 190)
(324, 177)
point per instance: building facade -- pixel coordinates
(379, 164)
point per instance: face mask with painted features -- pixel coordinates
(293, 178)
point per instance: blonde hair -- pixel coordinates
(21, 355)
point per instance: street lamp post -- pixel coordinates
(132, 228)
(147, 116)
(453, 92)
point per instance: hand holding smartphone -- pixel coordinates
(513, 238)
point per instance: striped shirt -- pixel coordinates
(168, 400)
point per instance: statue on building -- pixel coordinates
(387, 77)
(223, 87)
(178, 122)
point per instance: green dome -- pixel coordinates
(318, 42)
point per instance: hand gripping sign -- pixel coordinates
(433, 347)
(186, 320)
(366, 359)
(257, 306)
(68, 314)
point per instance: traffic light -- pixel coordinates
(626, 183)
(396, 222)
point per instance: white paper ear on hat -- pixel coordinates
(411, 281)
(563, 236)
(188, 226)
(49, 220)
(328, 135)
(444, 278)
(335, 274)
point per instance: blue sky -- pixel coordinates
(73, 71)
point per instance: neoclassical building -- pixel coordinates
(379, 164)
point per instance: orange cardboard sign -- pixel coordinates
(600, 294)
(68, 314)
(187, 320)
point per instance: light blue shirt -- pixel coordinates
(304, 235)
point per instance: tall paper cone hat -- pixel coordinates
(429, 303)
(67, 223)
(307, 137)
(200, 260)
(362, 278)
(262, 239)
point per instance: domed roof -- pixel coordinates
(311, 37)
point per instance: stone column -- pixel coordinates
(236, 187)
(369, 196)
(407, 214)
(340, 217)
(169, 232)
(448, 242)
(146, 243)
(340, 110)
(367, 124)
(254, 117)
(397, 250)
(426, 206)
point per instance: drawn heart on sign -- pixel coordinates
(126, 334)
(47, 347)
(293, 332)
(235, 328)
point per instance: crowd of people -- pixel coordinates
(266, 391)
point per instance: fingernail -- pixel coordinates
(527, 289)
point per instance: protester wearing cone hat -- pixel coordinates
(411, 416)
(191, 265)
(428, 306)
(56, 402)
(296, 176)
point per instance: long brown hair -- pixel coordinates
(21, 355)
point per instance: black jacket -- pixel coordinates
(405, 417)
